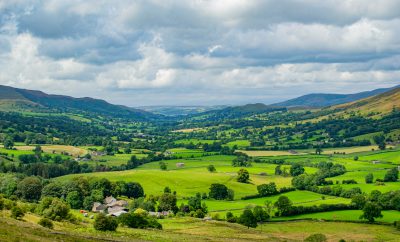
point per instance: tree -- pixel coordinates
(137, 220)
(74, 199)
(30, 188)
(243, 176)
(369, 178)
(380, 141)
(260, 214)
(318, 150)
(296, 169)
(359, 200)
(218, 191)
(57, 210)
(167, 202)
(267, 189)
(17, 212)
(133, 162)
(133, 190)
(105, 223)
(231, 195)
(163, 165)
(8, 143)
(371, 211)
(242, 160)
(247, 219)
(283, 204)
(391, 175)
(230, 218)
(278, 170)
(211, 168)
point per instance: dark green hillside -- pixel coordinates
(318, 100)
(12, 99)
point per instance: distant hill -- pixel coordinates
(239, 111)
(180, 110)
(381, 103)
(319, 100)
(15, 99)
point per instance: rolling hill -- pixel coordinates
(15, 99)
(319, 100)
(382, 103)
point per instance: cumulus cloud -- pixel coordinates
(199, 51)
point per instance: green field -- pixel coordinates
(348, 215)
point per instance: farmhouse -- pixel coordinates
(98, 207)
(375, 162)
(180, 165)
(113, 206)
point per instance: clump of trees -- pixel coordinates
(241, 160)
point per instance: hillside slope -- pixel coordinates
(15, 99)
(382, 103)
(318, 100)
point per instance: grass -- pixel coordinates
(57, 149)
(239, 143)
(349, 215)
(195, 141)
(191, 229)
(265, 152)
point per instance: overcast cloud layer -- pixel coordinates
(137, 52)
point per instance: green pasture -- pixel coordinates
(349, 215)
(195, 141)
(239, 143)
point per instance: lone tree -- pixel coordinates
(380, 141)
(163, 165)
(248, 219)
(318, 150)
(296, 169)
(369, 178)
(243, 176)
(283, 204)
(218, 191)
(391, 175)
(8, 143)
(211, 168)
(371, 211)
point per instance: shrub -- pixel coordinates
(247, 219)
(397, 224)
(230, 218)
(211, 168)
(218, 191)
(351, 181)
(133, 220)
(369, 178)
(45, 222)
(243, 176)
(17, 212)
(316, 238)
(105, 223)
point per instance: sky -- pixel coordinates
(199, 52)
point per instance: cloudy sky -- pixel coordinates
(199, 52)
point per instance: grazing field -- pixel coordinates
(58, 149)
(195, 141)
(350, 150)
(266, 152)
(239, 143)
(349, 215)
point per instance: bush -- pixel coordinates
(230, 218)
(369, 178)
(17, 212)
(104, 223)
(397, 224)
(134, 220)
(316, 238)
(351, 181)
(46, 223)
